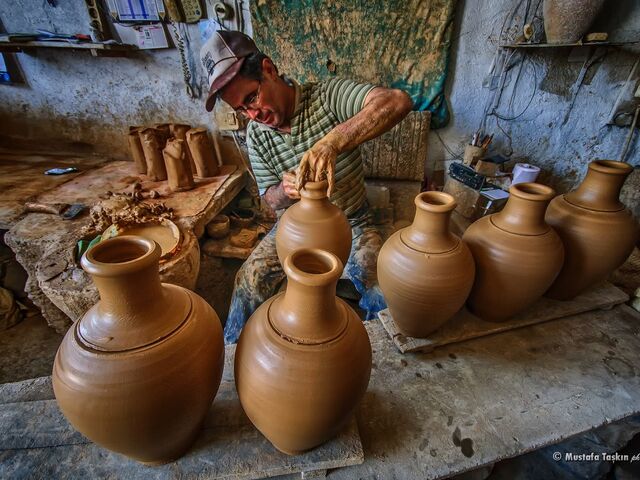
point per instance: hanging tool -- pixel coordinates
(598, 55)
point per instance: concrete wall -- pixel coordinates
(547, 76)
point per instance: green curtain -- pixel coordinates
(402, 44)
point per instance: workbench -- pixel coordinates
(44, 243)
(466, 405)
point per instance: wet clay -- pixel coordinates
(137, 374)
(314, 222)
(176, 162)
(135, 148)
(179, 130)
(425, 271)
(152, 145)
(303, 360)
(202, 151)
(517, 255)
(164, 132)
(597, 231)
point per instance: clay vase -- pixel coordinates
(176, 162)
(135, 147)
(566, 21)
(179, 130)
(597, 230)
(137, 374)
(314, 222)
(303, 359)
(517, 255)
(152, 145)
(202, 151)
(425, 271)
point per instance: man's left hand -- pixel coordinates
(319, 160)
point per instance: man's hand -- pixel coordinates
(289, 185)
(320, 160)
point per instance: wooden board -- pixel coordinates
(38, 442)
(465, 326)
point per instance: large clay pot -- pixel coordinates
(517, 255)
(314, 222)
(597, 230)
(425, 271)
(303, 359)
(137, 374)
(566, 21)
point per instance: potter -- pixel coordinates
(299, 133)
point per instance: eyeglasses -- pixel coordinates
(251, 102)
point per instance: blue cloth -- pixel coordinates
(261, 275)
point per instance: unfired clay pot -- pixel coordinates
(314, 222)
(597, 230)
(179, 130)
(517, 255)
(152, 145)
(135, 147)
(425, 271)
(566, 21)
(203, 152)
(179, 175)
(303, 359)
(137, 374)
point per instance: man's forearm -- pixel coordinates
(276, 198)
(383, 109)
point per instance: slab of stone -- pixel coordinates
(465, 326)
(38, 442)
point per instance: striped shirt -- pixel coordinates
(319, 108)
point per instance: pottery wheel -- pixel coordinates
(165, 233)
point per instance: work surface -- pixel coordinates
(465, 405)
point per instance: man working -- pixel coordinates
(315, 129)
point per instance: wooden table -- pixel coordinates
(466, 405)
(43, 243)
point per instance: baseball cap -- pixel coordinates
(222, 57)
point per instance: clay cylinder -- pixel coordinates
(179, 175)
(314, 222)
(137, 374)
(425, 271)
(179, 130)
(566, 21)
(164, 133)
(152, 146)
(597, 230)
(303, 359)
(202, 151)
(517, 255)
(135, 147)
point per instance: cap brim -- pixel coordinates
(220, 82)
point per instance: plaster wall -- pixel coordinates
(539, 136)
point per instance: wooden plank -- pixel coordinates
(502, 395)
(38, 442)
(465, 326)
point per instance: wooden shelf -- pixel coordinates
(565, 45)
(96, 49)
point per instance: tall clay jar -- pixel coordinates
(314, 222)
(179, 175)
(179, 131)
(517, 255)
(135, 147)
(137, 374)
(202, 150)
(303, 360)
(425, 271)
(152, 145)
(598, 232)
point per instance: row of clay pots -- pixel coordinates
(137, 374)
(173, 152)
(521, 253)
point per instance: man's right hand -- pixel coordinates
(289, 185)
